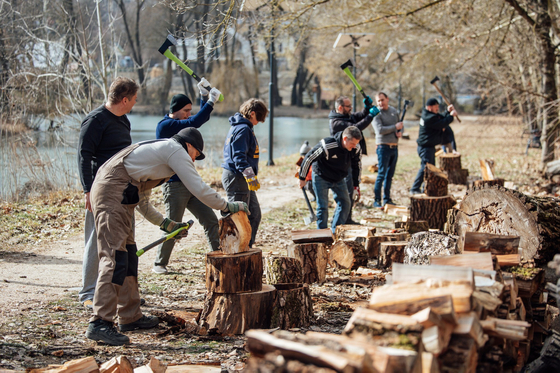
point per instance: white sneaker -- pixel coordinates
(160, 270)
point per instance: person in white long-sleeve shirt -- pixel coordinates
(121, 184)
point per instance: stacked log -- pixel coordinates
(450, 164)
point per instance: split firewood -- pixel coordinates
(370, 326)
(235, 233)
(313, 259)
(437, 332)
(468, 325)
(528, 280)
(347, 231)
(436, 181)
(487, 301)
(396, 210)
(234, 273)
(391, 252)
(283, 270)
(487, 169)
(405, 273)
(430, 363)
(416, 226)
(372, 244)
(118, 364)
(508, 329)
(475, 261)
(153, 366)
(312, 236)
(293, 307)
(508, 260)
(85, 365)
(461, 356)
(431, 209)
(348, 255)
(368, 179)
(450, 164)
(497, 244)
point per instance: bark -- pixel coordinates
(313, 258)
(488, 183)
(293, 307)
(436, 181)
(348, 255)
(391, 252)
(235, 273)
(283, 270)
(449, 162)
(431, 209)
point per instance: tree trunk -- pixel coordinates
(391, 252)
(293, 307)
(348, 255)
(436, 181)
(431, 209)
(237, 273)
(313, 259)
(536, 220)
(283, 270)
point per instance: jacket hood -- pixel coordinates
(238, 119)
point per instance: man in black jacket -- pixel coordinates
(342, 118)
(431, 130)
(331, 159)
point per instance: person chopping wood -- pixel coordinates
(122, 183)
(331, 159)
(432, 124)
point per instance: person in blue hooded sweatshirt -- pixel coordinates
(241, 160)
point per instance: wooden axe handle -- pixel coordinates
(444, 99)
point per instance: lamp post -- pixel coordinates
(271, 101)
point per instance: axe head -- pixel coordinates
(169, 41)
(434, 80)
(347, 64)
(409, 103)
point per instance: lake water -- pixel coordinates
(54, 159)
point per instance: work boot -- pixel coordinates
(145, 322)
(105, 331)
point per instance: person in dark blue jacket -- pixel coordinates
(430, 134)
(176, 196)
(241, 160)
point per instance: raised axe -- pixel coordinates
(165, 238)
(433, 82)
(312, 217)
(164, 49)
(346, 68)
(407, 103)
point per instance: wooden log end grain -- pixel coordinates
(348, 254)
(235, 233)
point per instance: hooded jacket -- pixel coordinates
(241, 149)
(361, 119)
(331, 160)
(431, 128)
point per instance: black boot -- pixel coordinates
(105, 331)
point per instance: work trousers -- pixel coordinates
(237, 190)
(177, 198)
(90, 262)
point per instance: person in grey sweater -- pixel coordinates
(387, 133)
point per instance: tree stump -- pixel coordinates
(229, 314)
(416, 226)
(313, 259)
(458, 177)
(283, 270)
(536, 220)
(436, 181)
(431, 209)
(293, 306)
(234, 273)
(372, 245)
(348, 255)
(449, 162)
(391, 252)
(235, 233)
(488, 183)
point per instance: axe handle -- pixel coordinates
(173, 58)
(308, 203)
(351, 76)
(444, 98)
(164, 238)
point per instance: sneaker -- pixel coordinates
(390, 202)
(377, 204)
(88, 303)
(105, 331)
(145, 322)
(160, 270)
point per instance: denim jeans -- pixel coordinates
(427, 155)
(350, 186)
(90, 264)
(237, 190)
(341, 197)
(387, 163)
(177, 198)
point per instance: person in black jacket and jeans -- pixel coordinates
(331, 158)
(431, 130)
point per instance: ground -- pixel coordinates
(41, 321)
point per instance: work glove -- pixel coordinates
(236, 206)
(214, 95)
(201, 87)
(169, 226)
(368, 102)
(374, 111)
(251, 178)
(356, 194)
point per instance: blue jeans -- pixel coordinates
(350, 185)
(341, 197)
(177, 198)
(427, 155)
(387, 162)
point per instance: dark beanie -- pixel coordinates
(178, 102)
(432, 101)
(191, 136)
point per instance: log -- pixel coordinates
(391, 252)
(436, 181)
(312, 236)
(437, 332)
(449, 162)
(431, 209)
(461, 356)
(234, 273)
(429, 363)
(469, 326)
(412, 226)
(372, 244)
(153, 366)
(313, 259)
(488, 183)
(508, 329)
(84, 365)
(425, 244)
(348, 255)
(497, 244)
(404, 273)
(118, 364)
(476, 261)
(347, 232)
(487, 169)
(509, 260)
(507, 212)
(283, 270)
(458, 177)
(230, 314)
(395, 210)
(293, 307)
(235, 233)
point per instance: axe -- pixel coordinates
(312, 217)
(434, 83)
(407, 103)
(164, 238)
(164, 49)
(346, 68)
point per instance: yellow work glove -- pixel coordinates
(251, 178)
